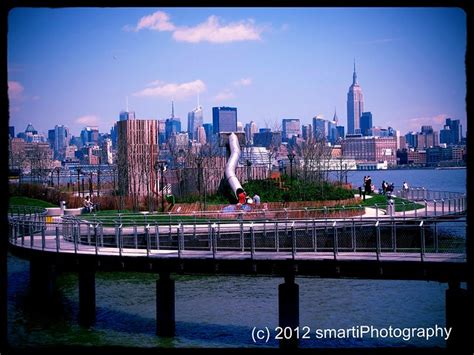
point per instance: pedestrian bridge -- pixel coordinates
(426, 243)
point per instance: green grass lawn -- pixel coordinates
(381, 201)
(27, 201)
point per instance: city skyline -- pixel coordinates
(272, 64)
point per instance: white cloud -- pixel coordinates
(224, 95)
(243, 82)
(87, 120)
(212, 30)
(172, 90)
(215, 32)
(158, 21)
(15, 90)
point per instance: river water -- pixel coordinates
(221, 311)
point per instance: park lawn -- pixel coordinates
(381, 201)
(28, 201)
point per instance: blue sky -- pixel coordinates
(77, 66)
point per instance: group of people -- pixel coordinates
(387, 188)
(244, 199)
(89, 206)
(368, 186)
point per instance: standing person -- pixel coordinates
(241, 195)
(405, 189)
(87, 204)
(256, 199)
(368, 185)
(384, 187)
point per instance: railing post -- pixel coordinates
(435, 203)
(242, 242)
(77, 235)
(178, 239)
(43, 237)
(422, 241)
(194, 225)
(277, 237)
(157, 235)
(404, 209)
(96, 239)
(57, 240)
(120, 239)
(148, 241)
(436, 240)
(293, 240)
(213, 240)
(32, 238)
(335, 249)
(449, 206)
(210, 231)
(426, 208)
(394, 237)
(135, 234)
(88, 234)
(315, 241)
(442, 207)
(376, 211)
(377, 239)
(252, 241)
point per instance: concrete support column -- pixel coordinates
(87, 296)
(42, 278)
(289, 309)
(165, 306)
(459, 317)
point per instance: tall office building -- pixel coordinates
(90, 136)
(137, 152)
(161, 131)
(126, 114)
(355, 105)
(224, 119)
(365, 123)
(250, 129)
(172, 124)
(61, 139)
(320, 127)
(208, 129)
(451, 134)
(194, 122)
(291, 128)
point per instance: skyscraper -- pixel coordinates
(172, 124)
(451, 133)
(137, 152)
(355, 105)
(224, 119)
(365, 123)
(194, 121)
(291, 128)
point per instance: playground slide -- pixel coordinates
(232, 164)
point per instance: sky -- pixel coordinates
(80, 66)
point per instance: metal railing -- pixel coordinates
(334, 236)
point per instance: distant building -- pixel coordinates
(61, 140)
(320, 128)
(90, 136)
(107, 157)
(172, 127)
(365, 123)
(307, 132)
(370, 149)
(136, 155)
(291, 128)
(451, 134)
(224, 119)
(250, 130)
(209, 131)
(126, 115)
(355, 105)
(266, 138)
(195, 120)
(201, 135)
(161, 131)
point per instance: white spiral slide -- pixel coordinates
(232, 164)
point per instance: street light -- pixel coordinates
(78, 182)
(161, 164)
(57, 169)
(291, 156)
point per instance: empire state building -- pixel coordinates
(355, 105)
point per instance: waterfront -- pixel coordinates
(221, 311)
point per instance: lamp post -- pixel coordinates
(91, 188)
(58, 169)
(161, 164)
(78, 182)
(291, 156)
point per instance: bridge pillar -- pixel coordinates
(42, 278)
(87, 296)
(165, 306)
(289, 310)
(458, 317)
